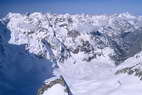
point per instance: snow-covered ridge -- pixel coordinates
(47, 35)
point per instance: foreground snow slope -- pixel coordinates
(95, 55)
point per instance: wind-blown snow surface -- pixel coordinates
(86, 50)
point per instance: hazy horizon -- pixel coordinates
(71, 6)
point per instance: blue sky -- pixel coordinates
(72, 6)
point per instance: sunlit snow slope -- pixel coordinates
(88, 55)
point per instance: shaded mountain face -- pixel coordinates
(21, 72)
(32, 45)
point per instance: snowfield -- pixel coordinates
(71, 54)
(57, 89)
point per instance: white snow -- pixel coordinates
(99, 79)
(57, 89)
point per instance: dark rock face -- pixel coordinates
(50, 84)
(127, 46)
(131, 70)
(73, 33)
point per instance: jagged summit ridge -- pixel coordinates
(43, 34)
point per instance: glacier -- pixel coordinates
(68, 54)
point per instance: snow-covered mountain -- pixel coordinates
(89, 54)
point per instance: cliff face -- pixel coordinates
(76, 47)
